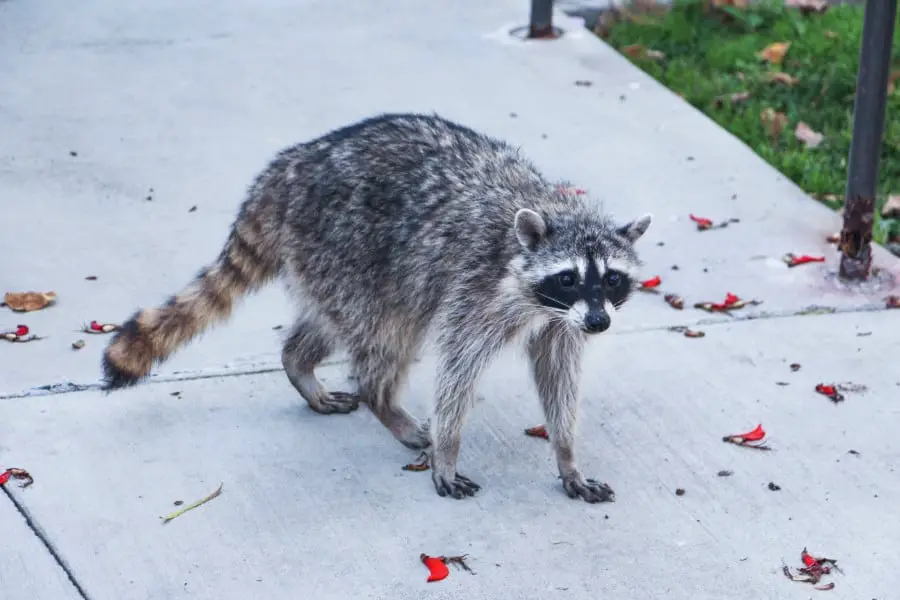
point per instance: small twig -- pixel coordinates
(178, 513)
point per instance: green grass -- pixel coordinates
(709, 54)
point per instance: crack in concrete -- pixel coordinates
(39, 534)
(68, 387)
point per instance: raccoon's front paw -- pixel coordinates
(340, 403)
(590, 490)
(456, 485)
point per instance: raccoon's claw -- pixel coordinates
(459, 488)
(590, 490)
(337, 403)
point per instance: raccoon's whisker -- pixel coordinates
(549, 298)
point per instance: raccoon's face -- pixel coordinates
(579, 267)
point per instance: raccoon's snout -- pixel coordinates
(597, 322)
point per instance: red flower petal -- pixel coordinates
(753, 436)
(795, 260)
(437, 568)
(702, 222)
(652, 282)
(808, 559)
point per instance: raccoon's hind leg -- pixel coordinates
(305, 348)
(381, 372)
(555, 354)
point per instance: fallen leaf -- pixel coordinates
(782, 77)
(807, 135)
(774, 53)
(732, 99)
(639, 51)
(808, 6)
(774, 122)
(28, 301)
(895, 75)
(734, 3)
(832, 35)
(891, 208)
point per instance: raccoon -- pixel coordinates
(395, 227)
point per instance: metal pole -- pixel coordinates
(541, 25)
(868, 130)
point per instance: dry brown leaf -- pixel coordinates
(808, 135)
(735, 98)
(781, 77)
(774, 53)
(639, 51)
(734, 3)
(808, 6)
(28, 301)
(891, 209)
(895, 75)
(774, 122)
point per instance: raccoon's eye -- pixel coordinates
(567, 279)
(614, 279)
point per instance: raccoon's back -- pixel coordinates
(406, 204)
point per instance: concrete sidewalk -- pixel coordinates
(101, 104)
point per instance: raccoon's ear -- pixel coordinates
(634, 230)
(530, 228)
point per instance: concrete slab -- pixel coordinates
(191, 100)
(27, 570)
(100, 104)
(320, 504)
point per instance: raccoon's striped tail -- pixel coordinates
(246, 263)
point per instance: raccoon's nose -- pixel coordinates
(597, 322)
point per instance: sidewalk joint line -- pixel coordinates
(38, 532)
(69, 387)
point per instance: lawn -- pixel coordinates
(712, 58)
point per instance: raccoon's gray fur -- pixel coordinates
(395, 226)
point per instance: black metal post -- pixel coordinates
(541, 24)
(868, 131)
